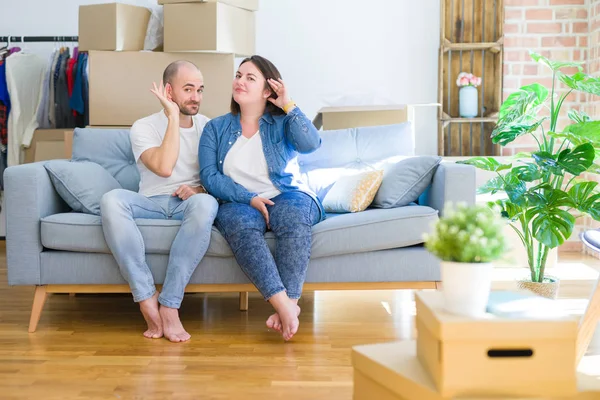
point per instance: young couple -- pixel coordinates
(187, 162)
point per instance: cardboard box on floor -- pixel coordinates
(113, 26)
(331, 118)
(251, 5)
(209, 27)
(120, 84)
(47, 144)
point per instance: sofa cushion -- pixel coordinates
(370, 230)
(71, 179)
(353, 193)
(344, 152)
(404, 181)
(111, 148)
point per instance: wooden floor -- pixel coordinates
(91, 347)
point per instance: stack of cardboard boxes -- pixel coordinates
(209, 33)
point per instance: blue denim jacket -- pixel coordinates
(283, 137)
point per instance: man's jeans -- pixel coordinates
(291, 219)
(119, 209)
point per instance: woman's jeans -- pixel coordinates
(121, 207)
(291, 220)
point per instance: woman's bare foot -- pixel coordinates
(287, 310)
(149, 309)
(171, 324)
(274, 322)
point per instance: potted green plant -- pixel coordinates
(544, 192)
(467, 239)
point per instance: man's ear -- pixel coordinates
(169, 91)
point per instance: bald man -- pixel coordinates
(165, 147)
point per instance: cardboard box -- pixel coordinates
(47, 144)
(391, 371)
(493, 355)
(331, 118)
(120, 84)
(113, 26)
(251, 5)
(214, 27)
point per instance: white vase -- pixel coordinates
(467, 101)
(466, 287)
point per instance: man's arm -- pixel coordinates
(161, 160)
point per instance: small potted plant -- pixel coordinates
(467, 239)
(467, 94)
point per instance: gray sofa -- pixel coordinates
(60, 251)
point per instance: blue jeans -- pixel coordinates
(121, 207)
(291, 220)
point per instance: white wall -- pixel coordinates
(369, 51)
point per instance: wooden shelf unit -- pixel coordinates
(471, 37)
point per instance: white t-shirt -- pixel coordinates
(246, 164)
(149, 132)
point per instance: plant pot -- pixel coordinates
(467, 101)
(548, 288)
(466, 287)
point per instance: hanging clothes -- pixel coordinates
(4, 103)
(43, 116)
(24, 77)
(79, 99)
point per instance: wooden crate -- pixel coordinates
(493, 355)
(471, 37)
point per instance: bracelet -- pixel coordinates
(289, 105)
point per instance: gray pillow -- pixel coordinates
(81, 184)
(404, 181)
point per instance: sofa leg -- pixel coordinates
(39, 299)
(243, 301)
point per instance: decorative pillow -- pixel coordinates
(404, 181)
(81, 184)
(353, 193)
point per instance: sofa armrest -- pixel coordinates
(29, 196)
(452, 183)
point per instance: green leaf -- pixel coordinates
(522, 154)
(486, 163)
(580, 192)
(577, 160)
(509, 209)
(583, 132)
(592, 206)
(528, 172)
(578, 116)
(552, 226)
(547, 162)
(581, 82)
(492, 186)
(515, 188)
(554, 65)
(522, 102)
(504, 134)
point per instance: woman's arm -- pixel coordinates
(300, 132)
(218, 184)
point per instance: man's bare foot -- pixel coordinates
(288, 314)
(149, 308)
(171, 324)
(274, 322)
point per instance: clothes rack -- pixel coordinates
(21, 39)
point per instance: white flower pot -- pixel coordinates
(467, 101)
(466, 287)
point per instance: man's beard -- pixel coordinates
(188, 108)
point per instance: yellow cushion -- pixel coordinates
(353, 193)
